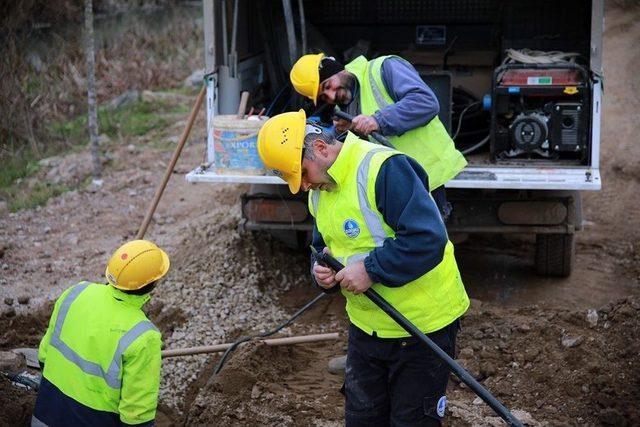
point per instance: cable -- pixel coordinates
(476, 146)
(235, 345)
(462, 115)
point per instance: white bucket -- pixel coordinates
(235, 145)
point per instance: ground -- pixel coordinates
(556, 351)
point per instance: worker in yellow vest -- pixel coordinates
(374, 214)
(100, 356)
(388, 96)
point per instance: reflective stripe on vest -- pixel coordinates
(377, 92)
(374, 224)
(112, 376)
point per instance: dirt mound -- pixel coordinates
(23, 330)
(265, 385)
(561, 367)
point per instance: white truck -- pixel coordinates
(519, 83)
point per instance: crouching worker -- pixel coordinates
(374, 213)
(100, 356)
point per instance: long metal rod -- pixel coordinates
(225, 48)
(460, 372)
(233, 61)
(291, 34)
(172, 164)
(303, 27)
(188, 351)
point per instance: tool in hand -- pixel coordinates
(376, 135)
(327, 260)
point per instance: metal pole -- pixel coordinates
(291, 31)
(172, 164)
(225, 49)
(209, 16)
(233, 62)
(303, 27)
(270, 342)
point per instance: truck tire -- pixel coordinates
(554, 254)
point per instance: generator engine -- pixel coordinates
(539, 112)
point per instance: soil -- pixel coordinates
(555, 351)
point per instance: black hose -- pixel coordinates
(239, 341)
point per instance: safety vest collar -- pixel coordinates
(136, 301)
(340, 167)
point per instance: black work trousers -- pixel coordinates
(396, 381)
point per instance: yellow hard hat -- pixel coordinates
(136, 264)
(280, 142)
(305, 75)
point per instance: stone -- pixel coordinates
(255, 391)
(124, 99)
(103, 138)
(337, 365)
(466, 353)
(24, 299)
(195, 79)
(12, 362)
(569, 341)
(592, 317)
(8, 301)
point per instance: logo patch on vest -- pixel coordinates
(351, 228)
(442, 404)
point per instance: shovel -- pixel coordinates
(327, 260)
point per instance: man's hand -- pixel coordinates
(364, 125)
(325, 276)
(341, 125)
(354, 278)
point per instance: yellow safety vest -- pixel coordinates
(102, 351)
(351, 226)
(430, 144)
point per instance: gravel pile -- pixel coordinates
(227, 284)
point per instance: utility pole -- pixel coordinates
(91, 88)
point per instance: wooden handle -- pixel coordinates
(272, 342)
(244, 98)
(172, 164)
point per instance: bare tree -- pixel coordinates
(91, 88)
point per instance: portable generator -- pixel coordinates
(540, 112)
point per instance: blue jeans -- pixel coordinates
(396, 381)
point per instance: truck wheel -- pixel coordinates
(554, 254)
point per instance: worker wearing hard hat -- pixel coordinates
(100, 354)
(388, 96)
(374, 214)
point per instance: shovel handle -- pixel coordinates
(376, 135)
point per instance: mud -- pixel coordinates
(556, 351)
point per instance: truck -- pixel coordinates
(519, 83)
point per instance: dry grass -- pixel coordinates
(36, 99)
